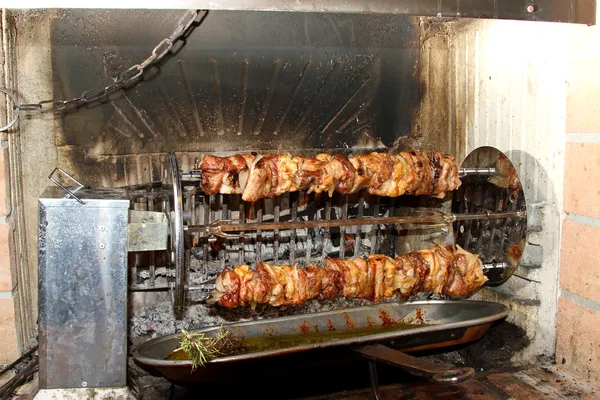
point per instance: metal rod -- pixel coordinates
(242, 239)
(343, 228)
(259, 217)
(69, 192)
(357, 237)
(195, 175)
(21, 377)
(276, 207)
(476, 171)
(374, 381)
(502, 265)
(224, 215)
(308, 242)
(151, 259)
(221, 227)
(191, 176)
(18, 360)
(327, 233)
(164, 288)
(294, 201)
(374, 233)
(204, 268)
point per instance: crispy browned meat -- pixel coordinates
(382, 174)
(372, 171)
(310, 173)
(506, 175)
(270, 175)
(446, 173)
(514, 252)
(213, 170)
(470, 272)
(225, 175)
(340, 173)
(262, 179)
(228, 287)
(438, 270)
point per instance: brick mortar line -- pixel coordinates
(583, 220)
(583, 137)
(6, 294)
(2, 219)
(580, 300)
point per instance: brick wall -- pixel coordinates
(9, 349)
(8, 333)
(578, 339)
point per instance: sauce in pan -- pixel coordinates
(273, 342)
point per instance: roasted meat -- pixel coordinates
(268, 175)
(506, 176)
(439, 270)
(514, 252)
(225, 175)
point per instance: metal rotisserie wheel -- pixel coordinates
(498, 242)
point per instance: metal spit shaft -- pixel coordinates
(462, 172)
(196, 175)
(222, 227)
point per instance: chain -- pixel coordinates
(125, 78)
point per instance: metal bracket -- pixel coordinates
(60, 185)
(148, 231)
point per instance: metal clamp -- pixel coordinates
(67, 190)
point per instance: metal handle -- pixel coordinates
(416, 366)
(60, 185)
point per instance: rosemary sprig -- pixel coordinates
(201, 348)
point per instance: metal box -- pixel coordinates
(83, 288)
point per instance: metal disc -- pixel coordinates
(177, 238)
(499, 243)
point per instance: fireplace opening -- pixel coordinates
(138, 251)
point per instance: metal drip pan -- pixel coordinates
(406, 326)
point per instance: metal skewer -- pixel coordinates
(462, 172)
(221, 228)
(196, 173)
(494, 265)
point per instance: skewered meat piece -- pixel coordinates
(310, 174)
(506, 176)
(374, 172)
(439, 270)
(514, 252)
(466, 273)
(339, 173)
(445, 173)
(228, 286)
(268, 175)
(225, 175)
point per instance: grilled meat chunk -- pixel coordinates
(438, 270)
(225, 175)
(268, 175)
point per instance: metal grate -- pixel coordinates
(206, 256)
(286, 246)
